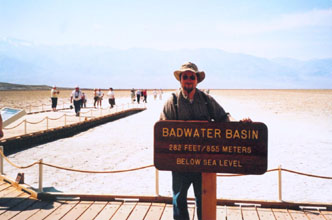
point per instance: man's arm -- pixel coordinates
(1, 132)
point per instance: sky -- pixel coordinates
(300, 29)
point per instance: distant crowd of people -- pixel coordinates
(136, 95)
(79, 98)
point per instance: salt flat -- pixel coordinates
(300, 138)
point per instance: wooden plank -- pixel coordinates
(62, 210)
(7, 190)
(11, 200)
(108, 211)
(168, 212)
(124, 211)
(13, 211)
(281, 214)
(47, 210)
(38, 205)
(327, 215)
(140, 211)
(234, 213)
(77, 211)
(221, 212)
(93, 210)
(4, 186)
(155, 211)
(249, 213)
(297, 215)
(265, 214)
(314, 215)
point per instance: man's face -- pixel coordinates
(188, 81)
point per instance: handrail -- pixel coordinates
(102, 111)
(41, 163)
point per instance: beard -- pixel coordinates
(188, 88)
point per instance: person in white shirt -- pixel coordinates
(111, 97)
(54, 97)
(138, 95)
(76, 95)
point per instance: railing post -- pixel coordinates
(1, 161)
(40, 175)
(25, 126)
(280, 183)
(157, 182)
(42, 107)
(30, 108)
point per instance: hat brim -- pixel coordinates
(200, 74)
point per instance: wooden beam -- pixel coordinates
(209, 196)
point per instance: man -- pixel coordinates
(76, 95)
(54, 97)
(189, 103)
(111, 97)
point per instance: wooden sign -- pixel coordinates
(215, 147)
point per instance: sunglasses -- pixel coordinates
(192, 77)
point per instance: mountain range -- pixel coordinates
(23, 62)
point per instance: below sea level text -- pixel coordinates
(208, 162)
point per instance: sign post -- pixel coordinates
(210, 148)
(209, 196)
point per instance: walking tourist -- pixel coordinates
(132, 95)
(95, 97)
(100, 95)
(111, 97)
(54, 97)
(76, 96)
(138, 95)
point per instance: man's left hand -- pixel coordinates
(246, 120)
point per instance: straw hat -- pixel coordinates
(190, 67)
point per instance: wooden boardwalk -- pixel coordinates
(17, 204)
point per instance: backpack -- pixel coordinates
(207, 104)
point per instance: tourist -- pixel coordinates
(155, 93)
(189, 103)
(160, 94)
(145, 95)
(100, 95)
(111, 97)
(54, 97)
(132, 95)
(138, 95)
(76, 96)
(95, 97)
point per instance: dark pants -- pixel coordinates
(181, 184)
(112, 102)
(77, 105)
(138, 98)
(54, 102)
